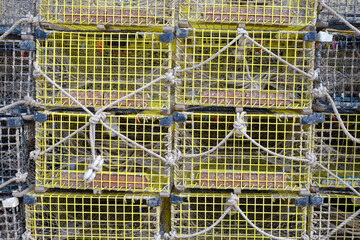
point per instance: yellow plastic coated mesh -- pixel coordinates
(87, 14)
(336, 209)
(125, 167)
(269, 14)
(87, 216)
(336, 151)
(239, 164)
(244, 75)
(275, 214)
(99, 68)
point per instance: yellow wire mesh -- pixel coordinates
(87, 14)
(274, 213)
(336, 209)
(87, 216)
(238, 164)
(269, 14)
(244, 75)
(336, 151)
(99, 68)
(125, 168)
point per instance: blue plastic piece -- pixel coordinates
(28, 45)
(316, 201)
(39, 34)
(167, 37)
(29, 200)
(5, 27)
(181, 32)
(175, 199)
(179, 117)
(310, 36)
(15, 122)
(40, 117)
(302, 202)
(313, 118)
(154, 202)
(166, 121)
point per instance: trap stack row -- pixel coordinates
(97, 52)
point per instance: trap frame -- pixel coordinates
(348, 9)
(12, 218)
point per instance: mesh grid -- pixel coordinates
(12, 154)
(336, 151)
(16, 80)
(11, 221)
(244, 75)
(335, 210)
(270, 14)
(239, 164)
(348, 9)
(99, 68)
(339, 64)
(86, 14)
(14, 10)
(87, 216)
(125, 168)
(274, 213)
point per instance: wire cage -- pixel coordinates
(99, 68)
(269, 14)
(12, 218)
(87, 14)
(336, 151)
(336, 208)
(244, 75)
(87, 216)
(348, 9)
(13, 10)
(276, 214)
(16, 63)
(126, 167)
(12, 152)
(238, 163)
(339, 64)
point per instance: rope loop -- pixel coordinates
(37, 70)
(241, 31)
(157, 236)
(233, 201)
(170, 236)
(319, 92)
(29, 101)
(101, 116)
(305, 237)
(35, 155)
(240, 123)
(95, 167)
(171, 76)
(312, 159)
(314, 75)
(21, 177)
(172, 158)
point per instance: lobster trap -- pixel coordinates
(100, 68)
(13, 156)
(12, 218)
(12, 11)
(126, 167)
(335, 209)
(336, 151)
(339, 64)
(87, 14)
(16, 63)
(272, 14)
(244, 75)
(348, 9)
(238, 163)
(87, 216)
(273, 213)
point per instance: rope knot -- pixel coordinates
(173, 158)
(171, 76)
(314, 75)
(241, 31)
(31, 19)
(170, 236)
(157, 236)
(319, 92)
(21, 177)
(240, 123)
(30, 102)
(97, 118)
(27, 235)
(305, 237)
(95, 167)
(233, 201)
(35, 155)
(312, 159)
(37, 70)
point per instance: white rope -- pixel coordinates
(27, 236)
(323, 4)
(19, 177)
(28, 101)
(349, 219)
(28, 19)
